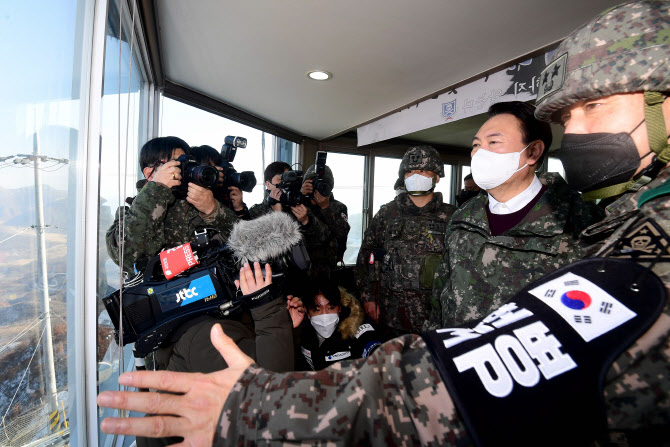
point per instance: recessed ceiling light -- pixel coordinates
(319, 75)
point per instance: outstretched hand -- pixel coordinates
(251, 278)
(192, 415)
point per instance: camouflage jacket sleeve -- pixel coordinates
(367, 275)
(222, 218)
(259, 210)
(442, 275)
(143, 230)
(394, 397)
(335, 220)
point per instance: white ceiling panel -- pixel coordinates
(383, 54)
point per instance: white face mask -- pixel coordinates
(491, 169)
(418, 185)
(325, 324)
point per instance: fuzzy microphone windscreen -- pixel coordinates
(264, 238)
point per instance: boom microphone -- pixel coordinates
(267, 238)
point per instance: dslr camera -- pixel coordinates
(320, 184)
(245, 180)
(194, 172)
(290, 186)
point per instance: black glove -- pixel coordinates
(262, 296)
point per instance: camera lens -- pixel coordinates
(203, 175)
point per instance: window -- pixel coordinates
(40, 120)
(348, 174)
(124, 129)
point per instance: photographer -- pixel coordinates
(232, 197)
(272, 178)
(156, 218)
(324, 220)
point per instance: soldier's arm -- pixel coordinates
(222, 218)
(439, 283)
(336, 219)
(143, 236)
(394, 397)
(366, 277)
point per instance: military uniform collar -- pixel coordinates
(405, 203)
(624, 207)
(550, 206)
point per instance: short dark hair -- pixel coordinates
(321, 285)
(468, 177)
(532, 129)
(161, 148)
(274, 168)
(206, 154)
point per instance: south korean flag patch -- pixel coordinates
(532, 371)
(589, 309)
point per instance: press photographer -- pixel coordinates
(170, 205)
(229, 189)
(324, 219)
(272, 177)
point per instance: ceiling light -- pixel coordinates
(319, 75)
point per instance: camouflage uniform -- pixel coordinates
(479, 271)
(405, 244)
(157, 220)
(260, 209)
(396, 395)
(327, 231)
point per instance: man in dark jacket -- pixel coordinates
(336, 328)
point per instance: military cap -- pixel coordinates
(421, 157)
(625, 49)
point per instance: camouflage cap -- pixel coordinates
(421, 157)
(623, 50)
(328, 175)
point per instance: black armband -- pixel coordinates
(532, 372)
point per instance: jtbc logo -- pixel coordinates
(186, 293)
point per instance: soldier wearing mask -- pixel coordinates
(403, 247)
(604, 79)
(524, 227)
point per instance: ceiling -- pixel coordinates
(383, 54)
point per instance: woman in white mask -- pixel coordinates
(336, 327)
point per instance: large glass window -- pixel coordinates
(348, 171)
(40, 114)
(123, 131)
(198, 127)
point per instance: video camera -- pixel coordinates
(290, 186)
(154, 307)
(194, 172)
